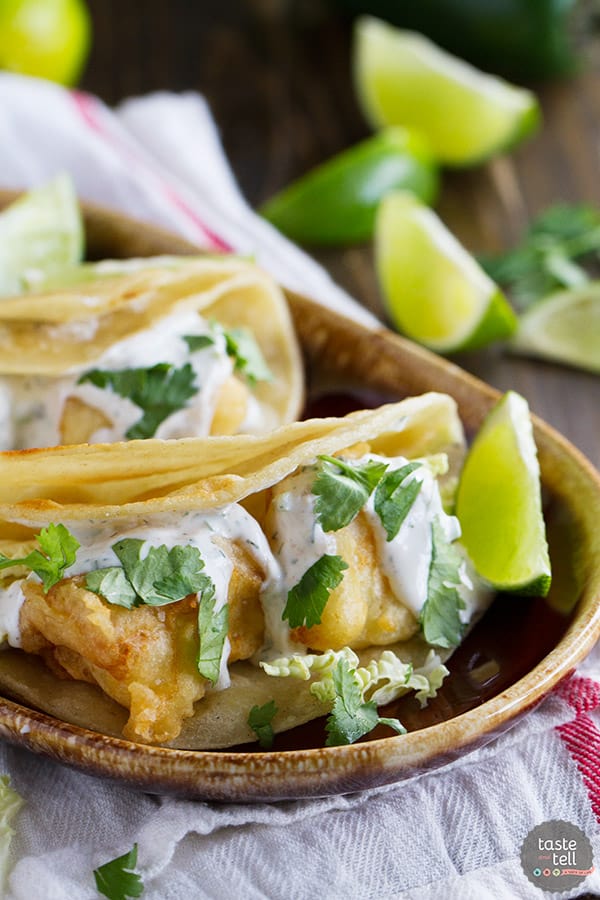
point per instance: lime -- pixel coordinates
(564, 327)
(402, 78)
(45, 38)
(499, 503)
(336, 203)
(40, 233)
(434, 291)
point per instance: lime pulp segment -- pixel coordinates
(499, 502)
(564, 327)
(434, 291)
(402, 78)
(40, 233)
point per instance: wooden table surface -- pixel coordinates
(277, 76)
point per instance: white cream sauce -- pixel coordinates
(298, 542)
(31, 407)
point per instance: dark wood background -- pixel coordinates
(277, 76)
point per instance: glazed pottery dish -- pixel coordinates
(168, 647)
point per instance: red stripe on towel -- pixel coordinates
(92, 112)
(582, 740)
(581, 736)
(582, 694)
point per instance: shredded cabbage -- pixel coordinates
(381, 681)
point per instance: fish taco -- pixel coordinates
(204, 593)
(166, 348)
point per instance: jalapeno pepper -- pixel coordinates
(526, 39)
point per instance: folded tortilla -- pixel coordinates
(143, 659)
(48, 341)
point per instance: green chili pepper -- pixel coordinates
(336, 202)
(524, 39)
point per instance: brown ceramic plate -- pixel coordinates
(519, 650)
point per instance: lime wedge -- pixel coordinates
(41, 233)
(402, 78)
(336, 203)
(434, 291)
(45, 38)
(564, 327)
(499, 503)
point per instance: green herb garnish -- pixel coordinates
(545, 259)
(159, 391)
(247, 355)
(351, 716)
(394, 499)
(165, 576)
(212, 629)
(162, 576)
(59, 550)
(117, 880)
(198, 341)
(307, 600)
(260, 720)
(440, 618)
(343, 489)
(241, 346)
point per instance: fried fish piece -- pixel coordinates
(144, 658)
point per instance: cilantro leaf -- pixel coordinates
(163, 576)
(198, 341)
(112, 584)
(159, 391)
(545, 259)
(393, 499)
(307, 600)
(259, 720)
(343, 489)
(59, 548)
(117, 880)
(247, 355)
(212, 628)
(440, 618)
(352, 717)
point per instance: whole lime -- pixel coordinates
(46, 38)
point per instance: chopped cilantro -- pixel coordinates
(59, 548)
(159, 391)
(343, 489)
(112, 584)
(307, 600)
(440, 617)
(545, 259)
(394, 499)
(162, 576)
(260, 720)
(117, 880)
(198, 341)
(352, 717)
(212, 629)
(247, 355)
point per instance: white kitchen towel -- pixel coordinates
(157, 158)
(453, 833)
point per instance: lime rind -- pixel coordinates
(499, 503)
(402, 78)
(336, 202)
(563, 327)
(40, 233)
(433, 290)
